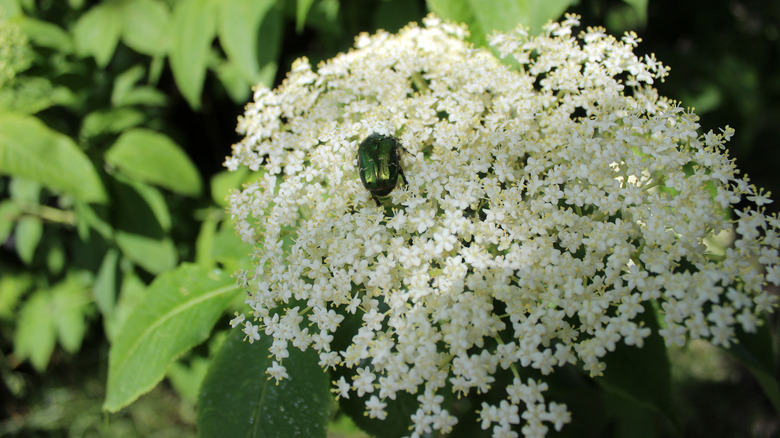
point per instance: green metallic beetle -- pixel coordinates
(378, 166)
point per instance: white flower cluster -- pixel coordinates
(549, 200)
(15, 51)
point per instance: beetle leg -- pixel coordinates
(378, 203)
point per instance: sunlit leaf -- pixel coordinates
(29, 149)
(35, 335)
(69, 307)
(97, 32)
(154, 158)
(501, 15)
(225, 181)
(239, 34)
(110, 121)
(301, 11)
(193, 27)
(28, 234)
(204, 243)
(131, 292)
(177, 313)
(13, 285)
(146, 25)
(233, 81)
(106, 282)
(45, 34)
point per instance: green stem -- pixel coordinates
(50, 214)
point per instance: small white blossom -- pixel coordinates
(376, 408)
(546, 204)
(251, 332)
(235, 322)
(341, 388)
(277, 371)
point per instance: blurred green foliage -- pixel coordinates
(115, 117)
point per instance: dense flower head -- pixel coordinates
(15, 52)
(548, 201)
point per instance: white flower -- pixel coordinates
(545, 207)
(235, 322)
(376, 408)
(251, 332)
(277, 371)
(341, 387)
(363, 381)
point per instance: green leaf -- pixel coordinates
(45, 34)
(301, 11)
(229, 250)
(155, 255)
(757, 351)
(154, 199)
(110, 121)
(88, 251)
(628, 419)
(141, 219)
(237, 399)
(97, 32)
(35, 335)
(131, 293)
(239, 34)
(30, 95)
(144, 95)
(193, 28)
(25, 192)
(54, 251)
(233, 81)
(106, 282)
(154, 158)
(28, 234)
(641, 374)
(13, 285)
(187, 378)
(270, 44)
(399, 413)
(93, 218)
(126, 93)
(640, 8)
(204, 244)
(69, 307)
(501, 15)
(177, 313)
(225, 181)
(48, 314)
(11, 8)
(125, 82)
(145, 25)
(29, 149)
(9, 212)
